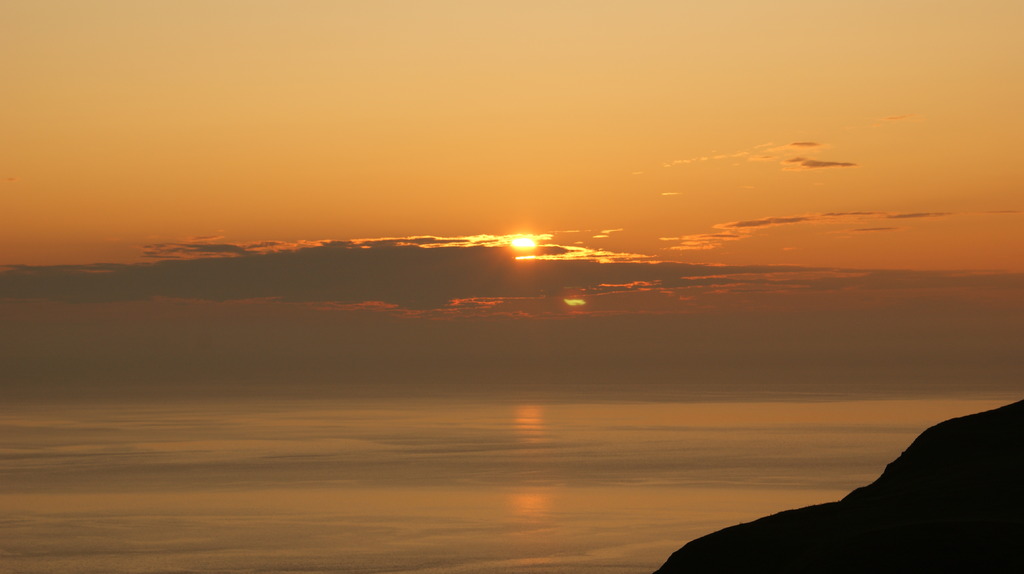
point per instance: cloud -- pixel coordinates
(800, 162)
(460, 276)
(767, 222)
(807, 147)
(918, 215)
(412, 273)
(704, 158)
(192, 250)
(828, 217)
(881, 122)
(356, 320)
(736, 230)
(803, 164)
(201, 247)
(772, 153)
(702, 241)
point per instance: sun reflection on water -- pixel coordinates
(530, 425)
(532, 504)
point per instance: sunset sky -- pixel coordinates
(131, 123)
(334, 159)
(461, 286)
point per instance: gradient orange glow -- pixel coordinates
(654, 120)
(473, 286)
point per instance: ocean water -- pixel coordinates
(421, 486)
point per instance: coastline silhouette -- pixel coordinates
(952, 502)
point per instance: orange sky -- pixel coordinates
(267, 203)
(219, 194)
(127, 124)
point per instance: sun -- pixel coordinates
(524, 243)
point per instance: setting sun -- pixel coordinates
(524, 243)
(553, 287)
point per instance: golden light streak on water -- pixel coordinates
(530, 425)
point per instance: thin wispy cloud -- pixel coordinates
(200, 247)
(770, 152)
(889, 120)
(903, 117)
(192, 250)
(799, 146)
(829, 217)
(874, 229)
(704, 158)
(743, 229)
(918, 215)
(803, 164)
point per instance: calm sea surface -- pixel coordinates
(421, 486)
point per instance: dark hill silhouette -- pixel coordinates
(952, 502)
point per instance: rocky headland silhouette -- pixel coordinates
(952, 502)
